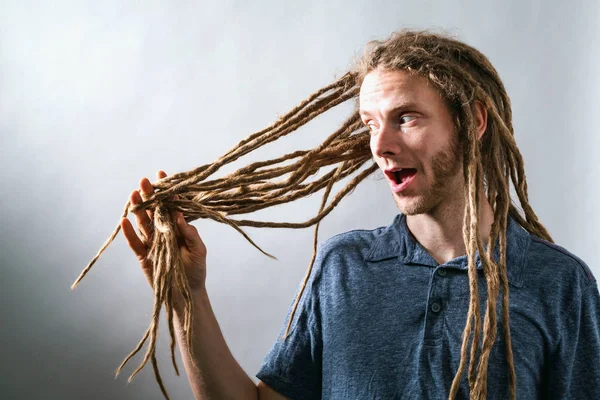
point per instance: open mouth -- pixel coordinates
(401, 175)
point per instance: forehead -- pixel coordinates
(385, 89)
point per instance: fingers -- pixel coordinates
(144, 218)
(138, 247)
(146, 189)
(144, 222)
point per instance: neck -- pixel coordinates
(440, 231)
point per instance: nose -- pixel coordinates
(387, 142)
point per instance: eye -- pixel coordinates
(372, 126)
(405, 119)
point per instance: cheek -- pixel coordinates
(371, 145)
(372, 148)
(419, 150)
(429, 145)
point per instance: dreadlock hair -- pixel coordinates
(462, 75)
(254, 187)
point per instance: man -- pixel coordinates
(395, 312)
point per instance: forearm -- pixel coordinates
(218, 375)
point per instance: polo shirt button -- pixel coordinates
(435, 307)
(441, 272)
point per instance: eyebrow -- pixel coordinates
(394, 109)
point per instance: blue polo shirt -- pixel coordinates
(381, 319)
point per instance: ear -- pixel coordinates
(480, 114)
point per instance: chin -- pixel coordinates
(414, 206)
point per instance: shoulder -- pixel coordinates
(565, 290)
(555, 276)
(355, 243)
(345, 255)
(555, 260)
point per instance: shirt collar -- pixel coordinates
(396, 240)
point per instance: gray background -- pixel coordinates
(95, 95)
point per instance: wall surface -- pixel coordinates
(95, 95)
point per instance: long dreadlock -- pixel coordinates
(462, 75)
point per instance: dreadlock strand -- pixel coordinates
(301, 191)
(330, 152)
(171, 326)
(168, 298)
(133, 353)
(479, 387)
(285, 127)
(518, 178)
(157, 376)
(333, 179)
(293, 124)
(472, 248)
(505, 299)
(183, 289)
(499, 228)
(112, 237)
(161, 259)
(343, 82)
(469, 322)
(343, 192)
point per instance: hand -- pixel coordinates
(193, 250)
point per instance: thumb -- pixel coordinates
(189, 234)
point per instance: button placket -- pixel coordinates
(435, 316)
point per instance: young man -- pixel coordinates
(394, 312)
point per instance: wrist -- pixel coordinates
(199, 297)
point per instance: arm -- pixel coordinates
(572, 371)
(219, 376)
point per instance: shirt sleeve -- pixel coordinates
(293, 365)
(574, 366)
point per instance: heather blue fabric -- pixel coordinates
(381, 319)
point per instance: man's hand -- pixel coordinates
(193, 250)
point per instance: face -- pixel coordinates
(413, 140)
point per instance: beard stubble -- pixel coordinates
(445, 165)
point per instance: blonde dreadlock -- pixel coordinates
(462, 75)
